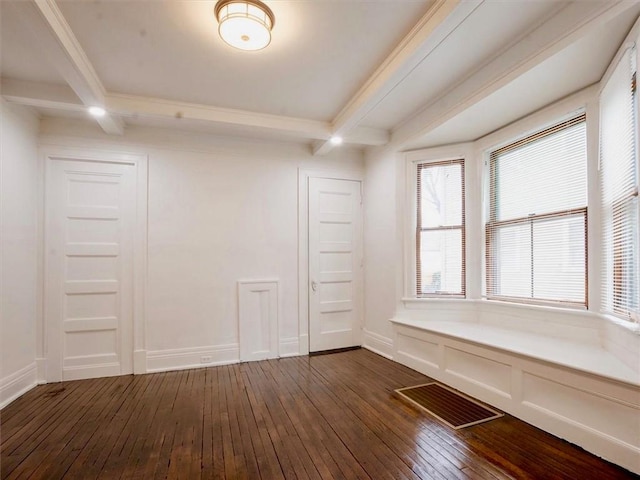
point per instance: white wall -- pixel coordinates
(219, 210)
(382, 247)
(19, 194)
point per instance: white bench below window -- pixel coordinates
(560, 379)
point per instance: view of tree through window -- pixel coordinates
(440, 229)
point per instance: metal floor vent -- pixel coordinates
(447, 405)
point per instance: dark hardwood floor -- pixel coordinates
(329, 416)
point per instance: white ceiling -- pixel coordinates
(320, 54)
(581, 64)
(411, 72)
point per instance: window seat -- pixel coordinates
(546, 367)
(581, 356)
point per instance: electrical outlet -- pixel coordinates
(205, 359)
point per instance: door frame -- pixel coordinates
(303, 244)
(51, 154)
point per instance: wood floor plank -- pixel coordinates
(384, 417)
(420, 460)
(267, 459)
(40, 412)
(314, 450)
(141, 449)
(375, 457)
(326, 417)
(39, 452)
(307, 421)
(436, 442)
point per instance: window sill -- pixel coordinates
(427, 300)
(417, 303)
(625, 324)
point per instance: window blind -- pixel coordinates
(619, 192)
(440, 234)
(536, 236)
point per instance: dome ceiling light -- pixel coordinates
(245, 24)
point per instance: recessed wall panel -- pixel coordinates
(420, 349)
(92, 268)
(91, 305)
(588, 409)
(92, 230)
(93, 193)
(334, 202)
(88, 343)
(479, 369)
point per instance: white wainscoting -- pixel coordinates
(195, 357)
(596, 412)
(258, 309)
(18, 383)
(377, 343)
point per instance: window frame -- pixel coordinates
(492, 224)
(417, 280)
(616, 309)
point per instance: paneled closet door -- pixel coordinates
(335, 264)
(90, 215)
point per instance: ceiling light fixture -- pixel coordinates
(336, 140)
(245, 24)
(97, 111)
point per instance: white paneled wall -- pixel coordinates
(219, 209)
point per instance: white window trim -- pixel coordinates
(412, 160)
(592, 193)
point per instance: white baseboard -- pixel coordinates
(289, 347)
(139, 362)
(18, 383)
(303, 344)
(195, 357)
(41, 370)
(378, 344)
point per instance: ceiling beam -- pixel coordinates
(566, 26)
(442, 18)
(63, 97)
(60, 46)
(40, 95)
(130, 105)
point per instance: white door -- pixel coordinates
(90, 214)
(335, 264)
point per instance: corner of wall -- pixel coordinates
(18, 383)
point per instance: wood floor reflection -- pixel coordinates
(328, 416)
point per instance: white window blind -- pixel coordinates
(440, 236)
(536, 233)
(619, 192)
